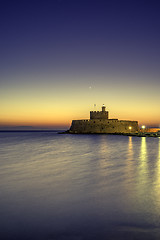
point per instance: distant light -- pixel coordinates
(143, 127)
(130, 128)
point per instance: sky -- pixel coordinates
(58, 58)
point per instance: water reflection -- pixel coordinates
(159, 150)
(129, 165)
(81, 187)
(103, 148)
(142, 175)
(143, 154)
(157, 182)
(158, 165)
(130, 149)
(104, 154)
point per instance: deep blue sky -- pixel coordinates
(81, 43)
(82, 35)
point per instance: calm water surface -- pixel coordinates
(79, 187)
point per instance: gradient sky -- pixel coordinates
(60, 57)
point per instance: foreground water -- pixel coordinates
(79, 187)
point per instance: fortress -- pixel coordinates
(99, 122)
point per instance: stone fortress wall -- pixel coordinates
(99, 123)
(98, 115)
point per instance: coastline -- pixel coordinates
(138, 134)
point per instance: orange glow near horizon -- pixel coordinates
(59, 105)
(60, 59)
(46, 117)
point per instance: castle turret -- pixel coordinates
(99, 114)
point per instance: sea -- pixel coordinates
(79, 187)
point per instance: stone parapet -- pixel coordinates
(104, 126)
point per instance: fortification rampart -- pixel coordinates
(104, 126)
(99, 123)
(98, 115)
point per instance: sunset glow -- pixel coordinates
(72, 59)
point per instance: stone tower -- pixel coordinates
(99, 114)
(103, 108)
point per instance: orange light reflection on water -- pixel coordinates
(142, 174)
(157, 177)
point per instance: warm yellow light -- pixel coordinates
(130, 128)
(143, 127)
